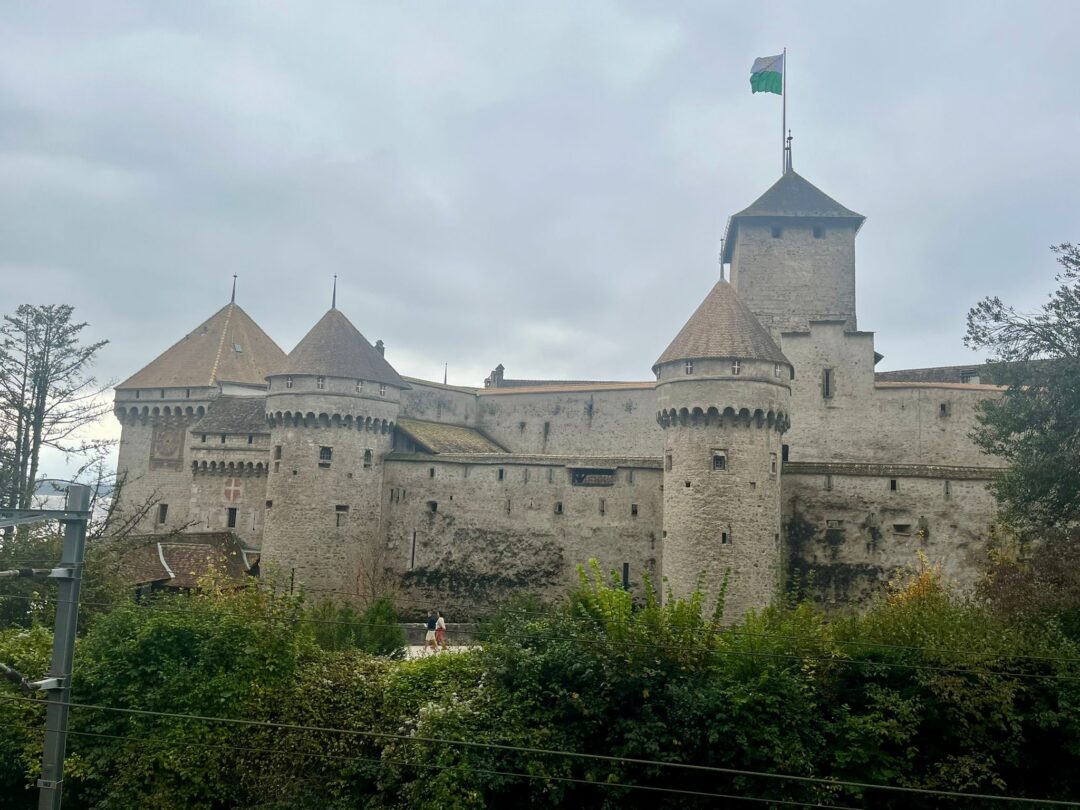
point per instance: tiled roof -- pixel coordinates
(436, 437)
(790, 196)
(722, 327)
(179, 562)
(335, 348)
(208, 355)
(946, 374)
(555, 387)
(234, 415)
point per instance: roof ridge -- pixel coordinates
(221, 343)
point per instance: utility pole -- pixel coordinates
(58, 683)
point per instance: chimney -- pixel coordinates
(380, 348)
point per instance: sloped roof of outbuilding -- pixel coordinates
(722, 327)
(181, 560)
(335, 348)
(209, 355)
(437, 438)
(790, 196)
(234, 415)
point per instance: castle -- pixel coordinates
(766, 444)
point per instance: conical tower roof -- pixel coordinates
(335, 348)
(722, 327)
(228, 347)
(791, 196)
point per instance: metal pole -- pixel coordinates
(69, 579)
(783, 116)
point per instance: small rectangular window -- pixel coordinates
(204, 438)
(223, 438)
(785, 452)
(827, 383)
(525, 476)
(719, 459)
(626, 576)
(251, 439)
(382, 389)
(367, 459)
(667, 462)
(943, 409)
(633, 510)
(320, 382)
(834, 524)
(359, 386)
(948, 488)
(558, 507)
(689, 366)
(772, 463)
(431, 472)
(269, 504)
(326, 455)
(776, 370)
(736, 367)
(500, 474)
(725, 539)
(187, 393)
(341, 514)
(288, 382)
(551, 475)
(603, 506)
(776, 232)
(818, 232)
(162, 512)
(162, 393)
(230, 517)
(902, 528)
(277, 466)
(828, 483)
(629, 476)
(433, 506)
(277, 451)
(892, 485)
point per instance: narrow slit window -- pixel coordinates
(603, 506)
(772, 463)
(251, 439)
(948, 488)
(893, 487)
(288, 382)
(776, 370)
(431, 472)
(230, 517)
(626, 576)
(320, 382)
(359, 386)
(500, 475)
(633, 510)
(558, 507)
(827, 383)
(162, 513)
(689, 366)
(382, 389)
(341, 514)
(551, 476)
(725, 539)
(223, 438)
(367, 459)
(667, 462)
(785, 452)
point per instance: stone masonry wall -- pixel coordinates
(439, 403)
(467, 537)
(795, 278)
(855, 532)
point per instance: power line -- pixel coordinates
(485, 771)
(638, 644)
(555, 752)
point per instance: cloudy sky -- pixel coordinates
(540, 184)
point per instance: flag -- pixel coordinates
(767, 75)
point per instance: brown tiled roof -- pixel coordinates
(554, 387)
(181, 560)
(208, 355)
(946, 374)
(436, 437)
(790, 196)
(722, 327)
(234, 415)
(335, 348)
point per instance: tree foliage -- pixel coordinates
(1035, 425)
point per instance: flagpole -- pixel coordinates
(783, 116)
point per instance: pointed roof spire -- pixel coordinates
(228, 347)
(233, 299)
(335, 348)
(333, 297)
(722, 327)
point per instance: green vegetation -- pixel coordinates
(927, 689)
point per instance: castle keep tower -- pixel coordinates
(792, 256)
(331, 408)
(722, 396)
(225, 357)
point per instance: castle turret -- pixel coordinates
(722, 392)
(792, 255)
(331, 407)
(157, 406)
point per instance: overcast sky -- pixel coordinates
(538, 184)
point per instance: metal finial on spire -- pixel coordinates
(233, 300)
(787, 152)
(445, 368)
(333, 298)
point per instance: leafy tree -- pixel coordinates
(1035, 424)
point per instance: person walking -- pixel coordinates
(429, 637)
(440, 633)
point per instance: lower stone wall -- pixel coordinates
(467, 537)
(850, 528)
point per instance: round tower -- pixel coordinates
(331, 409)
(722, 393)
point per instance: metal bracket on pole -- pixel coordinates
(47, 684)
(62, 573)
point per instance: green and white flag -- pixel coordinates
(767, 75)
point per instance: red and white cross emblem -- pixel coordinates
(234, 489)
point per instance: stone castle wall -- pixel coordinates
(470, 531)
